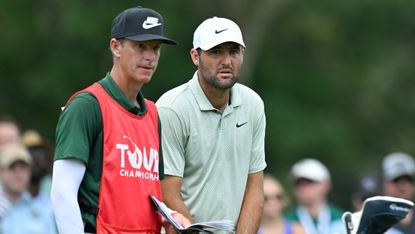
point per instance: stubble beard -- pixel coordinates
(220, 84)
(217, 82)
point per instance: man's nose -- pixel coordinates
(150, 54)
(226, 58)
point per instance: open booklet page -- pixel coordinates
(203, 227)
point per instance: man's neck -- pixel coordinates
(217, 97)
(129, 89)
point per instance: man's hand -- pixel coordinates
(180, 219)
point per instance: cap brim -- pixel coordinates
(307, 178)
(8, 164)
(393, 177)
(149, 37)
(215, 43)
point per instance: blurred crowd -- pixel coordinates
(25, 177)
(314, 213)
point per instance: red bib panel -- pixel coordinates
(130, 168)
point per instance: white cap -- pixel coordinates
(398, 164)
(311, 169)
(215, 31)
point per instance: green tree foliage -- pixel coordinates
(337, 77)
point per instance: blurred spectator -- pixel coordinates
(41, 152)
(366, 185)
(9, 131)
(398, 181)
(276, 200)
(20, 213)
(313, 211)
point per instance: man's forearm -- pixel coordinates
(179, 206)
(66, 178)
(170, 186)
(252, 206)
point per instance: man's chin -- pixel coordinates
(144, 78)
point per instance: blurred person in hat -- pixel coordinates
(213, 134)
(19, 213)
(398, 171)
(108, 158)
(41, 152)
(312, 184)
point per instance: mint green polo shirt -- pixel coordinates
(213, 152)
(79, 135)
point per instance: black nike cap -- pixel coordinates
(139, 24)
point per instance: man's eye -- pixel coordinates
(215, 51)
(141, 45)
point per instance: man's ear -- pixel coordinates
(115, 46)
(195, 56)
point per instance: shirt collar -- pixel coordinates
(115, 92)
(203, 101)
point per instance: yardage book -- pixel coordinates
(202, 227)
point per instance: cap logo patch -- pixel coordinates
(151, 22)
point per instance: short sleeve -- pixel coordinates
(257, 162)
(78, 126)
(173, 142)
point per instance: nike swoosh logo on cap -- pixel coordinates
(148, 26)
(151, 22)
(219, 31)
